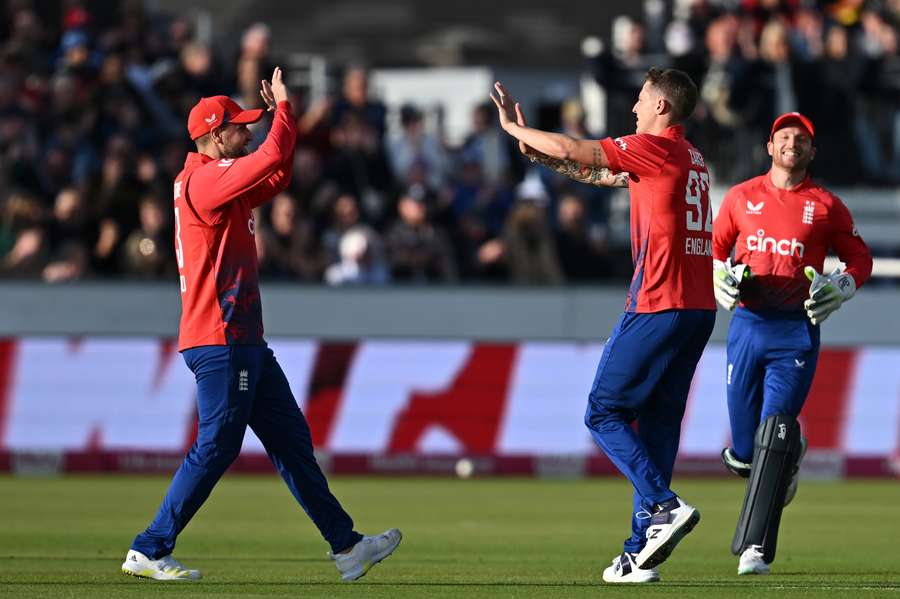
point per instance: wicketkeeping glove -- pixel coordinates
(727, 278)
(827, 293)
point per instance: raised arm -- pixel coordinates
(600, 176)
(553, 145)
(273, 93)
(212, 187)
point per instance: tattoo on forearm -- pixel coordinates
(592, 175)
(598, 156)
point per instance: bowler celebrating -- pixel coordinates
(648, 362)
(780, 226)
(239, 382)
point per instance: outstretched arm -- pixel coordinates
(553, 145)
(592, 175)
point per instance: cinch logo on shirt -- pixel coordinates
(785, 247)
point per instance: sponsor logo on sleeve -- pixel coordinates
(621, 143)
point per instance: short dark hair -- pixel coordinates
(677, 88)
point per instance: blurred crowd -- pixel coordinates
(836, 61)
(92, 132)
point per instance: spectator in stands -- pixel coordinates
(361, 262)
(195, 75)
(148, 250)
(69, 222)
(837, 155)
(415, 148)
(581, 250)
(623, 73)
(772, 85)
(355, 98)
(24, 240)
(474, 195)
(418, 252)
(360, 166)
(344, 216)
(877, 96)
(289, 247)
(253, 63)
(70, 263)
(486, 145)
(528, 241)
(314, 193)
(718, 119)
(808, 35)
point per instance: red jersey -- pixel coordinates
(214, 236)
(671, 220)
(776, 232)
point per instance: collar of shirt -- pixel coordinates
(196, 158)
(673, 132)
(769, 186)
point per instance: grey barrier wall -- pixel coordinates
(580, 314)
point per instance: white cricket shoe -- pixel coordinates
(623, 569)
(795, 478)
(164, 568)
(668, 525)
(752, 561)
(366, 553)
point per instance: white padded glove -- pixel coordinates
(727, 278)
(827, 293)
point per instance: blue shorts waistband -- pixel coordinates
(742, 312)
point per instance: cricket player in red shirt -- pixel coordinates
(239, 382)
(779, 226)
(648, 362)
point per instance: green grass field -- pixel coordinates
(66, 537)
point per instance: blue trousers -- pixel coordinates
(771, 362)
(240, 385)
(645, 375)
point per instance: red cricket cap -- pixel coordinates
(792, 118)
(211, 113)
